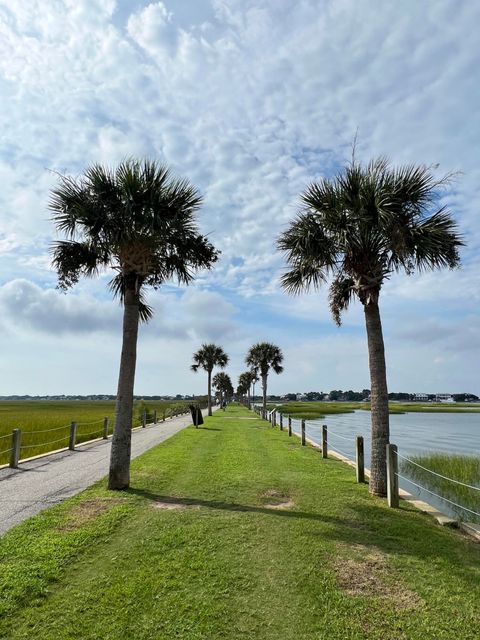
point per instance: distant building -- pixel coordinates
(444, 397)
(420, 397)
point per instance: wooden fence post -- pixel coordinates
(73, 436)
(303, 432)
(105, 428)
(360, 459)
(281, 422)
(289, 426)
(154, 416)
(164, 415)
(144, 419)
(392, 476)
(324, 441)
(16, 444)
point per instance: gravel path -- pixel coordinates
(39, 483)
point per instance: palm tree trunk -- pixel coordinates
(264, 391)
(209, 393)
(379, 399)
(119, 476)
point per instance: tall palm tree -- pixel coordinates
(356, 230)
(222, 382)
(208, 357)
(262, 357)
(140, 222)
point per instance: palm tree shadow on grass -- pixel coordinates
(368, 527)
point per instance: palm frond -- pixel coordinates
(74, 259)
(341, 293)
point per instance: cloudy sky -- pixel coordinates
(251, 100)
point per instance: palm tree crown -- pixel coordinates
(264, 356)
(365, 224)
(137, 220)
(208, 357)
(356, 230)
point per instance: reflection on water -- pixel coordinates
(413, 433)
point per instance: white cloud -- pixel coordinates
(251, 100)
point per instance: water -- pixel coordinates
(413, 433)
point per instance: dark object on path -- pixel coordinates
(196, 412)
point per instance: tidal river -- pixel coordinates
(413, 433)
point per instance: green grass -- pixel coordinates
(315, 410)
(464, 469)
(336, 564)
(45, 425)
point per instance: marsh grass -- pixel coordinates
(317, 410)
(45, 424)
(462, 468)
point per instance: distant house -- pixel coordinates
(420, 397)
(444, 397)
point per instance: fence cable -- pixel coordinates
(43, 444)
(337, 435)
(6, 451)
(87, 435)
(455, 504)
(463, 484)
(343, 453)
(26, 433)
(8, 435)
(87, 423)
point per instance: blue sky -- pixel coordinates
(251, 100)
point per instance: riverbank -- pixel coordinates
(236, 531)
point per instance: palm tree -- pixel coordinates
(245, 381)
(222, 382)
(208, 357)
(357, 229)
(262, 357)
(138, 221)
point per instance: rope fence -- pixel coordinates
(393, 456)
(75, 434)
(439, 475)
(66, 426)
(455, 504)
(42, 444)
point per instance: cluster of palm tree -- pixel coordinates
(354, 230)
(261, 358)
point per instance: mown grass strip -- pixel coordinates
(201, 547)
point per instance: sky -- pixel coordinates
(251, 100)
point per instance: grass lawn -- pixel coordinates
(198, 549)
